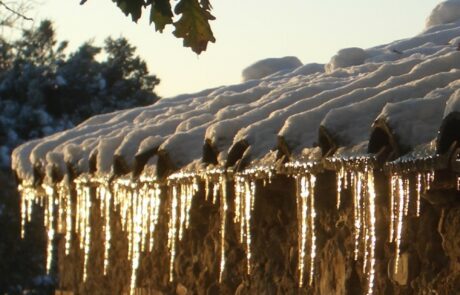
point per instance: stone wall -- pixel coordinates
(429, 262)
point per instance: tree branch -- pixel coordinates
(13, 11)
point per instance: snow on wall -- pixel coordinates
(444, 13)
(270, 66)
(406, 82)
(345, 58)
(416, 122)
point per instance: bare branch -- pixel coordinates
(15, 12)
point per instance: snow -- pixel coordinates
(345, 58)
(351, 124)
(270, 66)
(453, 104)
(444, 13)
(406, 83)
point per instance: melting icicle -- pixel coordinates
(371, 234)
(401, 205)
(312, 181)
(244, 205)
(138, 204)
(206, 187)
(83, 228)
(393, 193)
(419, 192)
(172, 231)
(340, 177)
(429, 177)
(49, 224)
(357, 185)
(87, 231)
(306, 218)
(183, 188)
(363, 189)
(302, 201)
(406, 196)
(28, 198)
(215, 192)
(155, 203)
(223, 220)
(399, 226)
(105, 196)
(65, 213)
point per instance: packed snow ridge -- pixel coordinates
(281, 105)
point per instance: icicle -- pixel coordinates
(155, 194)
(49, 224)
(399, 226)
(312, 182)
(192, 190)
(364, 217)
(215, 192)
(105, 197)
(244, 205)
(340, 177)
(419, 192)
(372, 237)
(59, 201)
(249, 205)
(302, 201)
(345, 179)
(306, 223)
(356, 183)
(136, 237)
(145, 199)
(183, 188)
(223, 220)
(172, 231)
(406, 196)
(183, 199)
(87, 229)
(393, 193)
(429, 177)
(238, 206)
(206, 187)
(68, 223)
(28, 198)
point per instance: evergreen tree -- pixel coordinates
(44, 90)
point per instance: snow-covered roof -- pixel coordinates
(409, 86)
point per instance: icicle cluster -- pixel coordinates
(138, 206)
(182, 189)
(306, 216)
(68, 208)
(216, 187)
(361, 184)
(30, 197)
(245, 190)
(70, 212)
(401, 205)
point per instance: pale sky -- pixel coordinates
(246, 31)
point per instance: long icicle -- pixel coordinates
(372, 235)
(223, 220)
(312, 182)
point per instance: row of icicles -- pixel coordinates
(139, 208)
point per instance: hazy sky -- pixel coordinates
(246, 31)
